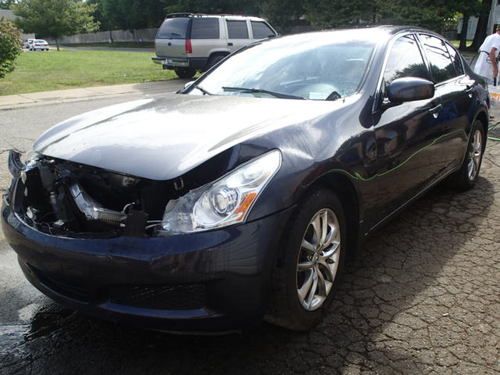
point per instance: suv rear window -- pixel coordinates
(261, 30)
(173, 28)
(205, 28)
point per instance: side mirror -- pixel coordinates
(409, 89)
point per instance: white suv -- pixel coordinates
(188, 42)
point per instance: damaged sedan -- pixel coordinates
(242, 196)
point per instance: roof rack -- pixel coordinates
(175, 15)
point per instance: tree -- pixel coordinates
(55, 18)
(433, 14)
(130, 14)
(283, 14)
(10, 46)
(482, 25)
(212, 6)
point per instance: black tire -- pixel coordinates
(214, 60)
(185, 73)
(462, 179)
(286, 309)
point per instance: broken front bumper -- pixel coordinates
(208, 281)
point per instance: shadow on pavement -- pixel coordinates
(382, 319)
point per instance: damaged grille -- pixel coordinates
(61, 197)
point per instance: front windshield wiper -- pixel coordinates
(272, 93)
(205, 92)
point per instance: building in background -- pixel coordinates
(493, 20)
(9, 15)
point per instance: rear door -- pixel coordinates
(454, 91)
(237, 33)
(171, 37)
(206, 37)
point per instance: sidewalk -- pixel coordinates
(89, 93)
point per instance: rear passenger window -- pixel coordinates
(205, 28)
(405, 60)
(237, 30)
(457, 60)
(261, 30)
(442, 68)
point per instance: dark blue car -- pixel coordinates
(242, 196)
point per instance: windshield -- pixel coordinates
(173, 28)
(309, 66)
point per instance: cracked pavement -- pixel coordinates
(423, 297)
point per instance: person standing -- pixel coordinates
(486, 64)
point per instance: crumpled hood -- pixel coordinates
(164, 138)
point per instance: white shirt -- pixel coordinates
(483, 65)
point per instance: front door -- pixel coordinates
(406, 134)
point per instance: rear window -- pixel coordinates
(173, 28)
(457, 60)
(205, 28)
(261, 30)
(237, 29)
(442, 67)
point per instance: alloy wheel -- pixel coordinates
(475, 152)
(318, 259)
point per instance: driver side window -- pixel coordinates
(405, 60)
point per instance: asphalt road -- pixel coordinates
(423, 297)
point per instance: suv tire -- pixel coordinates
(185, 73)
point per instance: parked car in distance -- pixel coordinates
(27, 43)
(242, 196)
(39, 45)
(188, 42)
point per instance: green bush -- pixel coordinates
(10, 46)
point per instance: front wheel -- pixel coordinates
(185, 73)
(466, 177)
(313, 258)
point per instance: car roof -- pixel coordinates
(373, 33)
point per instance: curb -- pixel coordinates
(12, 102)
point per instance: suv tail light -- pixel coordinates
(188, 47)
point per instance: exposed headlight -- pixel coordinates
(224, 202)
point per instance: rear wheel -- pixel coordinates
(313, 259)
(466, 176)
(185, 73)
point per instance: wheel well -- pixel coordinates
(347, 195)
(483, 117)
(214, 54)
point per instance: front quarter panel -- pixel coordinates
(334, 143)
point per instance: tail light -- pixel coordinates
(188, 46)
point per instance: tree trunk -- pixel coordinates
(464, 32)
(57, 43)
(482, 25)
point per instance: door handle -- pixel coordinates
(468, 90)
(230, 44)
(435, 110)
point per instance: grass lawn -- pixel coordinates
(455, 43)
(43, 71)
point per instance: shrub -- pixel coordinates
(10, 46)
